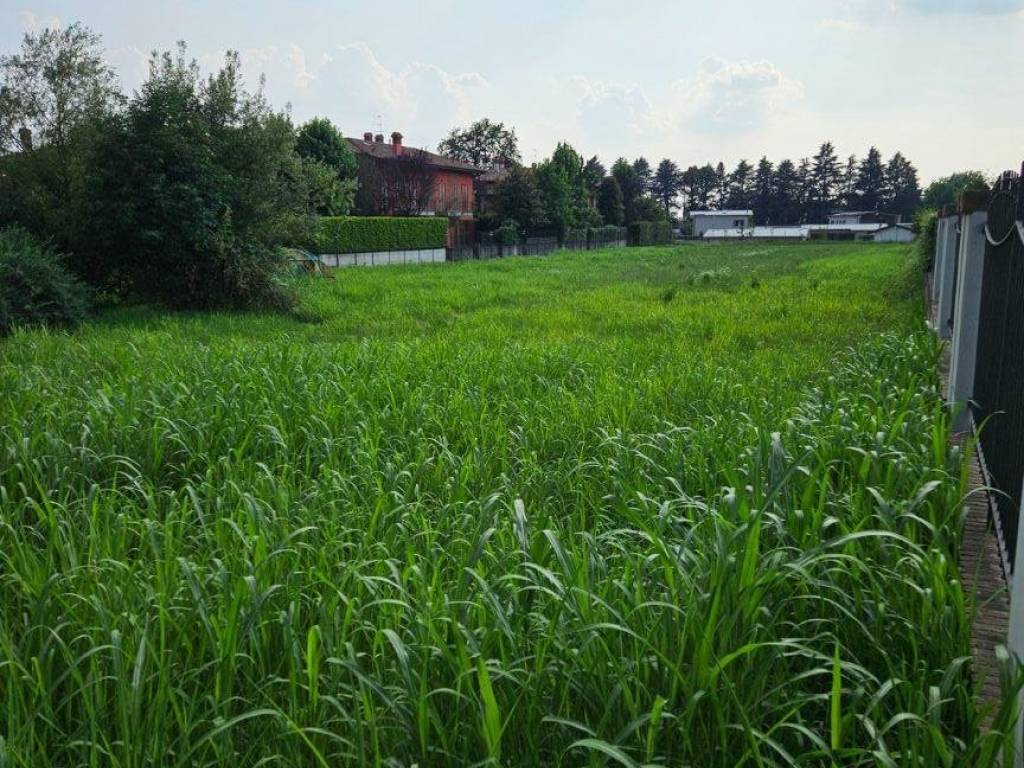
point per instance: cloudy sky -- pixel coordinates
(694, 81)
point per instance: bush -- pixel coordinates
(601, 236)
(650, 233)
(926, 224)
(507, 233)
(35, 286)
(361, 234)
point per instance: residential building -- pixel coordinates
(704, 221)
(844, 218)
(395, 180)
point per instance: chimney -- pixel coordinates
(368, 137)
(379, 138)
(396, 142)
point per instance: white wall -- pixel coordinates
(702, 224)
(895, 235)
(383, 258)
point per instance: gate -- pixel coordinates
(999, 371)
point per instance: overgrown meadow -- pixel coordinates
(679, 506)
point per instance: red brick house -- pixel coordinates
(396, 180)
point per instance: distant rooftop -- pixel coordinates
(721, 213)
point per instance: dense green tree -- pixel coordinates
(765, 201)
(870, 185)
(642, 169)
(485, 144)
(848, 184)
(903, 191)
(947, 190)
(629, 184)
(740, 181)
(199, 187)
(721, 186)
(56, 94)
(666, 186)
(826, 176)
(520, 200)
(320, 140)
(787, 189)
(699, 185)
(330, 167)
(593, 174)
(609, 202)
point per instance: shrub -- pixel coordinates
(601, 236)
(35, 286)
(650, 233)
(507, 233)
(361, 234)
(926, 224)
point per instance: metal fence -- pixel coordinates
(998, 401)
(488, 246)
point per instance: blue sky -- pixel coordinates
(694, 81)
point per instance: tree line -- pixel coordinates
(565, 191)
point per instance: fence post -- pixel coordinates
(947, 276)
(940, 240)
(967, 302)
(1015, 641)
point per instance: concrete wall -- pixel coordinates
(894, 235)
(945, 277)
(383, 258)
(966, 311)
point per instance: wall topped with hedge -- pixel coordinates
(364, 234)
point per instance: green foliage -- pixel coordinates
(36, 287)
(198, 188)
(926, 224)
(609, 202)
(947, 190)
(520, 200)
(362, 234)
(532, 511)
(508, 233)
(483, 144)
(320, 140)
(650, 233)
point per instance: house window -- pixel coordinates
(739, 223)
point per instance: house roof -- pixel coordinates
(721, 213)
(386, 151)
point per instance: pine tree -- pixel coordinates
(739, 186)
(609, 202)
(721, 185)
(848, 194)
(765, 200)
(642, 169)
(870, 186)
(826, 174)
(787, 188)
(666, 185)
(805, 190)
(903, 191)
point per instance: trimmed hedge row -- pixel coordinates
(363, 234)
(650, 233)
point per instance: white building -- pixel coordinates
(897, 233)
(708, 220)
(865, 233)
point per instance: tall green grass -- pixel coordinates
(667, 507)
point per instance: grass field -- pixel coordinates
(680, 506)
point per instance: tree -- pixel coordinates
(826, 176)
(788, 190)
(805, 190)
(56, 93)
(629, 184)
(593, 175)
(198, 187)
(556, 191)
(519, 200)
(699, 185)
(870, 186)
(765, 200)
(609, 202)
(947, 190)
(642, 169)
(721, 185)
(58, 81)
(903, 191)
(330, 167)
(485, 144)
(848, 183)
(320, 140)
(739, 186)
(666, 186)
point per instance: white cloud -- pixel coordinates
(984, 7)
(735, 95)
(33, 23)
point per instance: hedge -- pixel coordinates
(362, 234)
(650, 233)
